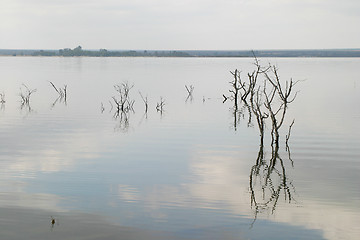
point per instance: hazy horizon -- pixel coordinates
(190, 50)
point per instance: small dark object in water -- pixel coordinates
(53, 221)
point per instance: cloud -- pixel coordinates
(198, 24)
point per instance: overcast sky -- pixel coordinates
(180, 24)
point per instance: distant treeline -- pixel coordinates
(78, 51)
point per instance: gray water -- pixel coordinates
(74, 170)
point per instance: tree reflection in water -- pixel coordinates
(268, 181)
(268, 100)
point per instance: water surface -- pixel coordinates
(183, 173)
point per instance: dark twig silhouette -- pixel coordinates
(160, 105)
(2, 101)
(25, 96)
(123, 102)
(2, 98)
(145, 100)
(62, 92)
(189, 90)
(124, 105)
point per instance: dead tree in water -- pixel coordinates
(260, 114)
(122, 101)
(285, 96)
(2, 101)
(288, 135)
(2, 98)
(246, 90)
(62, 94)
(268, 99)
(124, 105)
(25, 96)
(61, 91)
(145, 100)
(160, 105)
(189, 90)
(236, 86)
(123, 121)
(268, 178)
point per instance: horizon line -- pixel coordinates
(219, 50)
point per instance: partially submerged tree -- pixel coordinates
(122, 101)
(62, 92)
(145, 100)
(189, 90)
(26, 94)
(268, 99)
(160, 105)
(124, 105)
(2, 98)
(285, 96)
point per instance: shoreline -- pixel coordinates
(79, 52)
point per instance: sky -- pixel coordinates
(180, 25)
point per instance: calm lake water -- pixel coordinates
(75, 170)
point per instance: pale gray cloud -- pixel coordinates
(188, 24)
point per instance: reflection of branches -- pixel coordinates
(241, 113)
(123, 121)
(27, 107)
(58, 100)
(268, 101)
(268, 181)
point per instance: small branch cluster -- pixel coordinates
(2, 98)
(123, 102)
(160, 105)
(145, 100)
(61, 91)
(62, 94)
(25, 96)
(270, 99)
(123, 105)
(189, 90)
